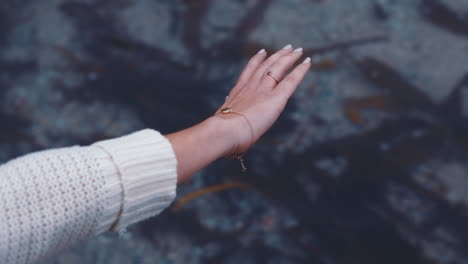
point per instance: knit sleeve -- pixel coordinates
(50, 200)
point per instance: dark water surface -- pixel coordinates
(368, 164)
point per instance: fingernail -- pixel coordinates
(287, 46)
(298, 50)
(261, 51)
(307, 60)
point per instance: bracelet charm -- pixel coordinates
(228, 110)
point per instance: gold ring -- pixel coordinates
(272, 76)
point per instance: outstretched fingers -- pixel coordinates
(280, 68)
(262, 70)
(289, 84)
(252, 66)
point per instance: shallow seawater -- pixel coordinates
(368, 163)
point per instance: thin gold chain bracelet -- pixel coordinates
(240, 156)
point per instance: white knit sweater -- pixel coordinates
(51, 200)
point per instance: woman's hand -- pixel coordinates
(257, 96)
(261, 97)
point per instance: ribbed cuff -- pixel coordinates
(141, 177)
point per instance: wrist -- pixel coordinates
(222, 132)
(199, 145)
(238, 128)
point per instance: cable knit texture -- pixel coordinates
(50, 200)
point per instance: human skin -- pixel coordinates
(257, 96)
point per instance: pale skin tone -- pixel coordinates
(257, 96)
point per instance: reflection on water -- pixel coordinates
(368, 164)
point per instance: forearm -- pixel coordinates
(199, 145)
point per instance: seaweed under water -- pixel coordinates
(352, 216)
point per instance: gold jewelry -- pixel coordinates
(272, 76)
(239, 157)
(228, 110)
